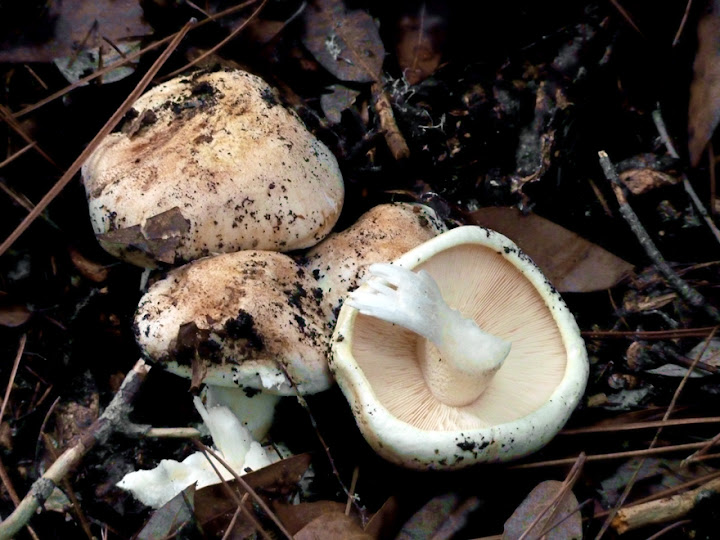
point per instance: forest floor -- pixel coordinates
(498, 116)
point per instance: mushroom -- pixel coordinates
(155, 487)
(459, 352)
(210, 163)
(339, 263)
(238, 320)
(232, 320)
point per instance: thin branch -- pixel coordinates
(240, 480)
(680, 29)
(689, 294)
(111, 420)
(217, 47)
(612, 428)
(17, 154)
(7, 117)
(106, 129)
(649, 334)
(13, 373)
(614, 455)
(665, 136)
(554, 503)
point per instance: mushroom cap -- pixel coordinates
(210, 163)
(485, 276)
(382, 234)
(233, 318)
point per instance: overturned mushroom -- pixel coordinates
(484, 362)
(210, 163)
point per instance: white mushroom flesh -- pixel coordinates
(467, 358)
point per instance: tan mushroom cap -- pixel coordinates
(235, 316)
(485, 277)
(382, 234)
(211, 163)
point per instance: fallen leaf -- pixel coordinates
(14, 315)
(296, 516)
(431, 517)
(174, 518)
(87, 268)
(421, 37)
(78, 65)
(346, 43)
(158, 238)
(335, 102)
(571, 263)
(214, 508)
(535, 503)
(384, 522)
(704, 109)
(70, 24)
(336, 525)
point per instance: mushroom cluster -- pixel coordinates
(210, 163)
(458, 352)
(255, 325)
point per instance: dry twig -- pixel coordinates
(112, 420)
(689, 294)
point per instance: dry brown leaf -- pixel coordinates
(335, 525)
(14, 315)
(704, 110)
(335, 102)
(71, 24)
(214, 508)
(419, 47)
(296, 516)
(535, 503)
(571, 263)
(346, 43)
(87, 268)
(384, 523)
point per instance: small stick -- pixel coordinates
(660, 125)
(13, 373)
(7, 484)
(649, 334)
(231, 492)
(110, 421)
(218, 46)
(662, 510)
(641, 425)
(17, 154)
(353, 484)
(667, 492)
(393, 136)
(614, 455)
(689, 294)
(243, 484)
(69, 492)
(554, 503)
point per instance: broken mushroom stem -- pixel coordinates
(464, 358)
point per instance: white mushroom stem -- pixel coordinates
(468, 356)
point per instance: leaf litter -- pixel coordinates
(487, 127)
